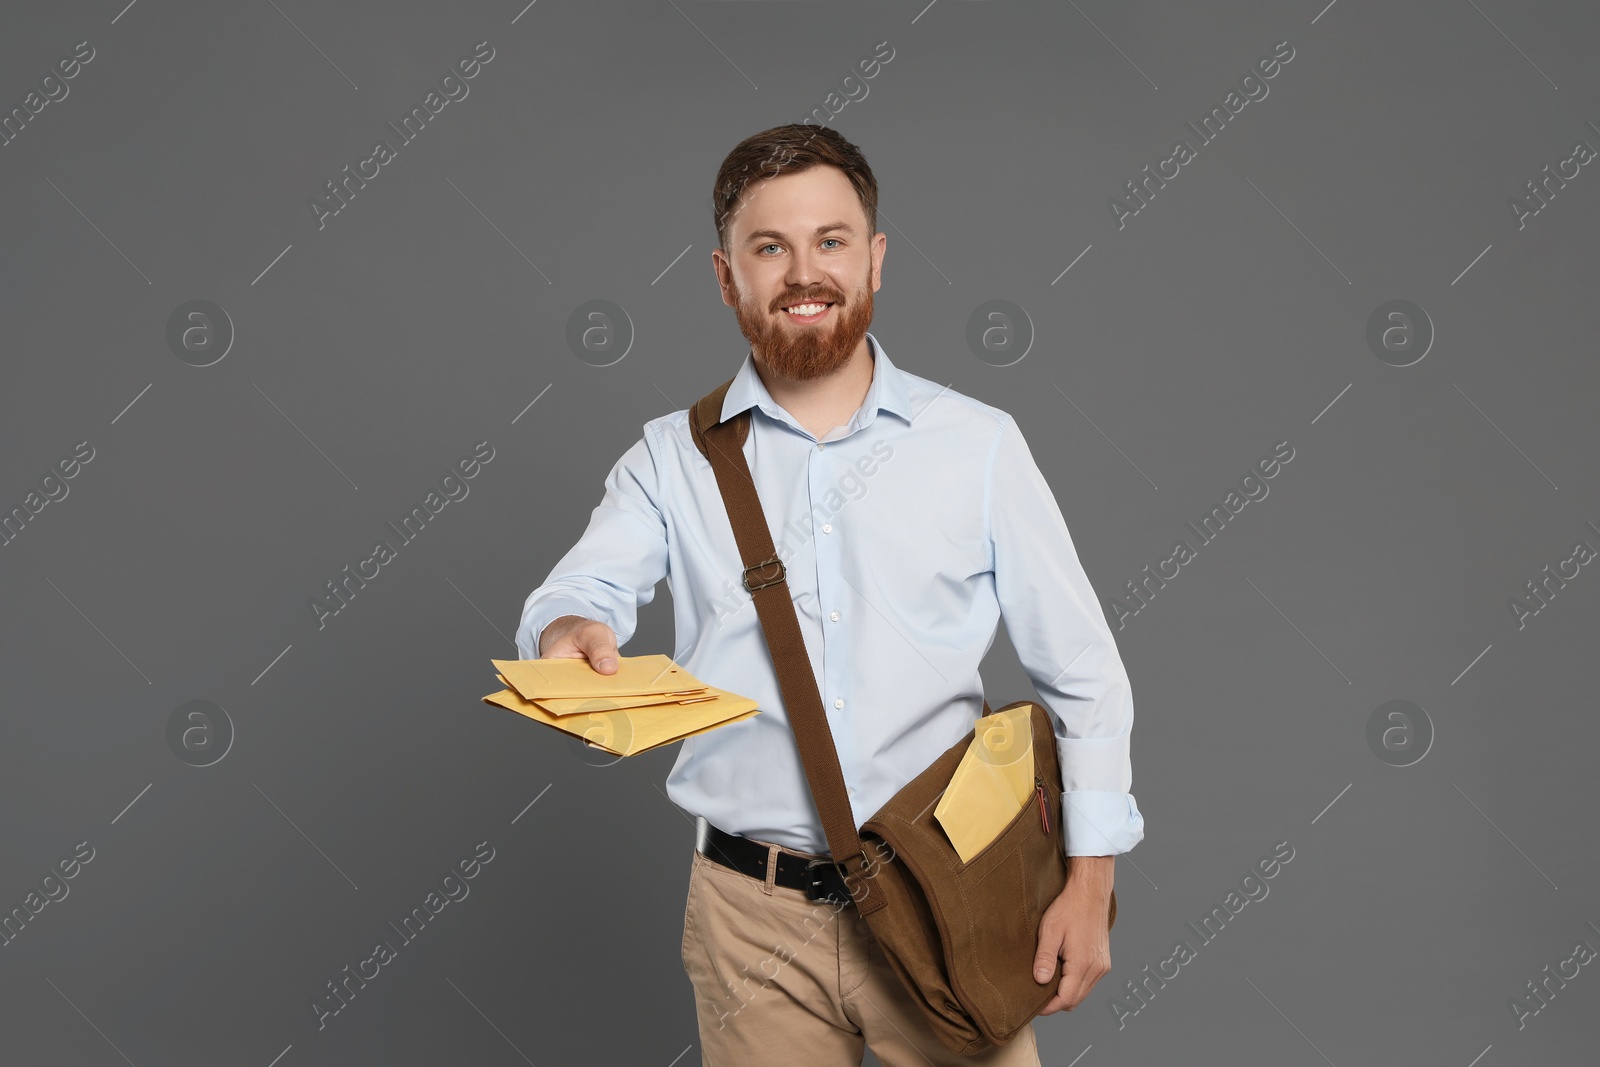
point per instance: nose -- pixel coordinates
(802, 274)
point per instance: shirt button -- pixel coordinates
(834, 616)
(820, 446)
(827, 527)
(839, 703)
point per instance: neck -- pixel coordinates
(820, 404)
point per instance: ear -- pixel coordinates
(722, 267)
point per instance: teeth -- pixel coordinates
(805, 309)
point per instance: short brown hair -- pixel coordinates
(789, 149)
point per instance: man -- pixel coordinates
(908, 516)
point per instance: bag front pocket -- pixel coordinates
(1029, 813)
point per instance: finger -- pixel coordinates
(601, 648)
(1085, 978)
(1047, 957)
(1072, 985)
(1057, 1002)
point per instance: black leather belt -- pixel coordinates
(819, 879)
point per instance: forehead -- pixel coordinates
(796, 204)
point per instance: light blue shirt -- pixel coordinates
(906, 533)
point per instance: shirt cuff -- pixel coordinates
(1100, 823)
(536, 618)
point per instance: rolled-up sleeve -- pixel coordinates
(615, 566)
(1060, 633)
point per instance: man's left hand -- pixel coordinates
(1076, 928)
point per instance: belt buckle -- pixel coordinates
(814, 888)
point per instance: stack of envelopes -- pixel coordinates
(649, 701)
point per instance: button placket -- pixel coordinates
(827, 564)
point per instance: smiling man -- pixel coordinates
(910, 518)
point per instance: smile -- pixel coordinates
(808, 312)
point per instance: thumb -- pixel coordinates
(1044, 966)
(602, 653)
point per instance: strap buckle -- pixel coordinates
(782, 574)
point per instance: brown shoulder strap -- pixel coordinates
(722, 443)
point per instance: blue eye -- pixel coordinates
(831, 239)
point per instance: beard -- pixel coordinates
(798, 351)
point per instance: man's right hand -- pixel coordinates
(575, 637)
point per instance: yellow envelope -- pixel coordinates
(991, 783)
(630, 731)
(574, 705)
(535, 679)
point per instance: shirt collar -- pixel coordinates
(888, 391)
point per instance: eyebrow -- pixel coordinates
(843, 227)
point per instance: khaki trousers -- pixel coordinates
(782, 981)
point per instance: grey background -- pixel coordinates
(1228, 315)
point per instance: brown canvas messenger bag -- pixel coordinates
(961, 936)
